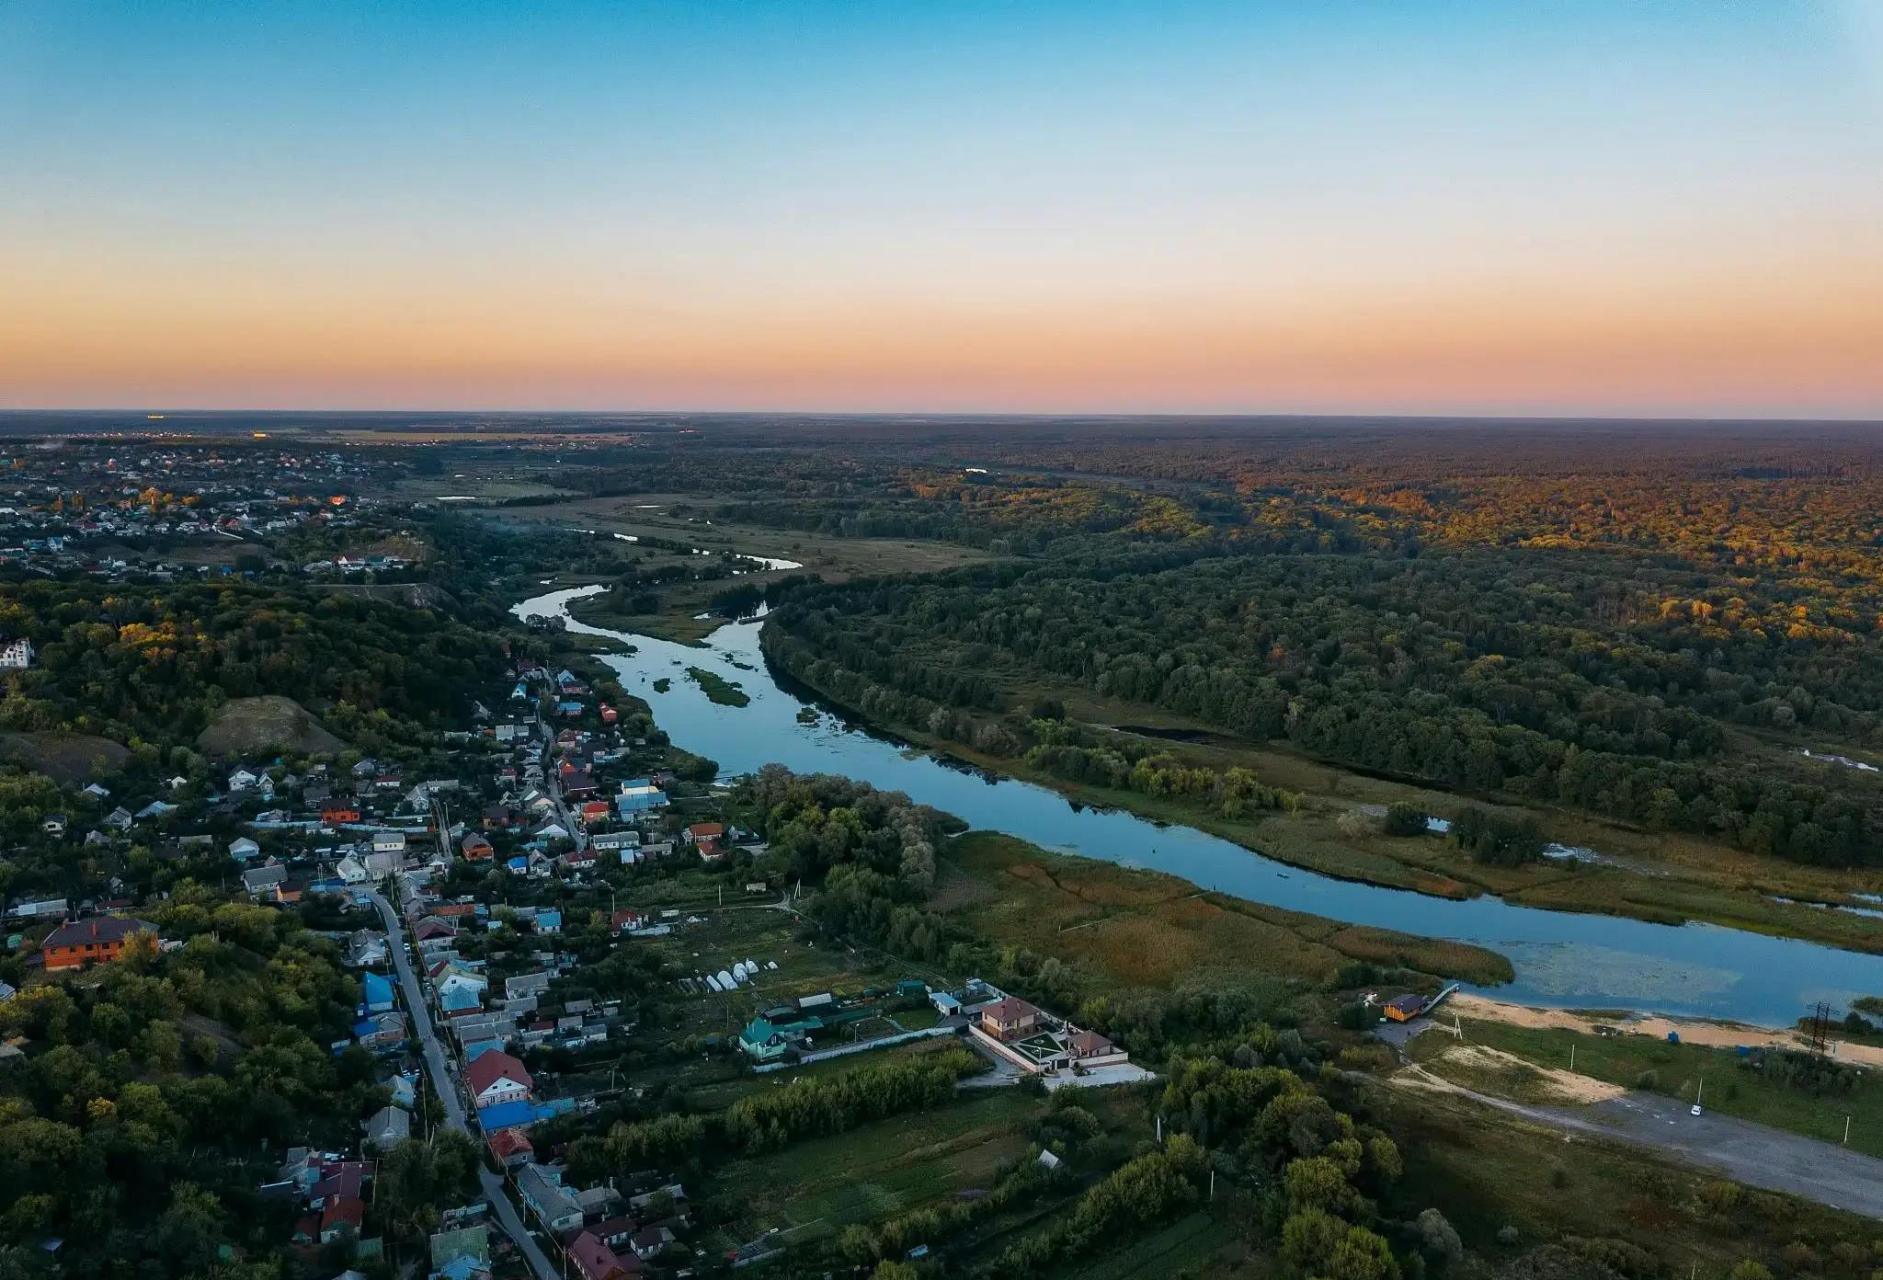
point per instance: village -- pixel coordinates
(560, 915)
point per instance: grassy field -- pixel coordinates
(1201, 1244)
(1490, 1170)
(1141, 928)
(1732, 1087)
(881, 1169)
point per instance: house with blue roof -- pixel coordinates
(549, 920)
(637, 796)
(378, 993)
(456, 1000)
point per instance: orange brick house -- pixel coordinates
(81, 942)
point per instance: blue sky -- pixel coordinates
(1471, 207)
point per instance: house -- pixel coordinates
(594, 1259)
(1404, 1008)
(262, 881)
(341, 1218)
(81, 942)
(16, 653)
(377, 993)
(638, 795)
(96, 791)
(650, 1241)
(367, 948)
(389, 842)
(243, 780)
(352, 870)
(526, 984)
(119, 819)
(496, 1078)
(459, 1002)
(53, 824)
(552, 1203)
(701, 832)
(155, 809)
(511, 1148)
(242, 849)
(335, 815)
(387, 1128)
(610, 841)
(380, 1032)
(475, 847)
(462, 1252)
(1011, 1018)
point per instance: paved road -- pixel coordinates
(444, 1083)
(552, 786)
(1754, 1154)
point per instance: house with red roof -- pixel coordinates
(341, 1218)
(496, 1077)
(596, 1261)
(511, 1147)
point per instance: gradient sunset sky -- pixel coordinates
(1519, 206)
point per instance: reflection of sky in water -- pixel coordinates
(1561, 958)
(1566, 972)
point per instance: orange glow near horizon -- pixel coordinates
(1189, 206)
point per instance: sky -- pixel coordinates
(1554, 207)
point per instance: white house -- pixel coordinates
(243, 780)
(388, 842)
(495, 1078)
(242, 848)
(353, 871)
(16, 653)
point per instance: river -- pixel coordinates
(1560, 958)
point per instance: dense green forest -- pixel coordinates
(1492, 672)
(161, 1093)
(152, 664)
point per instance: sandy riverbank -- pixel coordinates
(1723, 1035)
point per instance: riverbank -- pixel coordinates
(1692, 1031)
(1558, 958)
(1756, 897)
(1838, 1100)
(1145, 928)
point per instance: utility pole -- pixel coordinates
(1572, 1057)
(1846, 1131)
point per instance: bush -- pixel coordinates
(1404, 819)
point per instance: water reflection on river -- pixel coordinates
(1560, 958)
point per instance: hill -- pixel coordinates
(64, 757)
(249, 726)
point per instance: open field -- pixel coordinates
(1201, 1244)
(817, 1187)
(1492, 1170)
(1732, 1085)
(1141, 928)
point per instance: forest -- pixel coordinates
(1557, 638)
